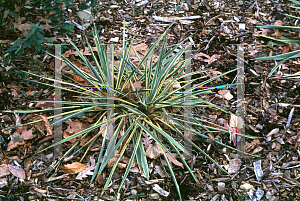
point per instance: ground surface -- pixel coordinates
(274, 175)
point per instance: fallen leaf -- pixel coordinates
(153, 151)
(27, 135)
(47, 26)
(73, 128)
(286, 49)
(11, 145)
(3, 182)
(47, 125)
(246, 186)
(147, 139)
(161, 191)
(73, 168)
(7, 68)
(4, 171)
(137, 85)
(23, 27)
(257, 149)
(174, 161)
(225, 94)
(234, 166)
(112, 161)
(236, 122)
(250, 146)
(17, 171)
(84, 140)
(278, 31)
(85, 173)
(209, 59)
(40, 126)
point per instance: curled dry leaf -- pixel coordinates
(277, 31)
(47, 125)
(153, 151)
(23, 27)
(113, 160)
(73, 168)
(84, 140)
(166, 120)
(232, 132)
(124, 162)
(17, 171)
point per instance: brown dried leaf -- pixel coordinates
(27, 135)
(137, 85)
(47, 125)
(250, 146)
(85, 172)
(74, 127)
(234, 166)
(286, 49)
(209, 59)
(257, 149)
(40, 126)
(73, 168)
(11, 145)
(236, 121)
(17, 171)
(112, 161)
(225, 94)
(278, 31)
(4, 171)
(3, 182)
(23, 27)
(147, 139)
(175, 162)
(153, 151)
(84, 140)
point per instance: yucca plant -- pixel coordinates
(144, 102)
(283, 40)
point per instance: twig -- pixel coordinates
(290, 118)
(59, 197)
(205, 4)
(207, 46)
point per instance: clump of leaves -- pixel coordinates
(289, 42)
(33, 40)
(145, 103)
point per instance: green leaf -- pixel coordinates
(287, 28)
(281, 56)
(277, 66)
